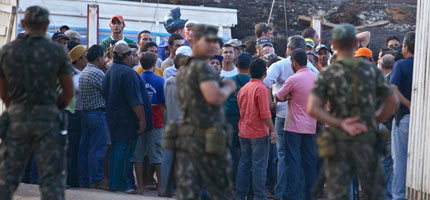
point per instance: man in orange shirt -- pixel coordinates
(255, 125)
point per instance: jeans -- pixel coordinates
(281, 185)
(167, 180)
(119, 163)
(93, 147)
(271, 167)
(301, 156)
(235, 145)
(387, 166)
(253, 160)
(74, 132)
(399, 150)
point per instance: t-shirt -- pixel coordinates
(155, 88)
(228, 74)
(299, 86)
(169, 72)
(167, 63)
(253, 101)
(401, 76)
(123, 89)
(162, 49)
(230, 105)
(157, 71)
(172, 105)
(107, 40)
(31, 66)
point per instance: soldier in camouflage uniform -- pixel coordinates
(30, 69)
(351, 144)
(202, 158)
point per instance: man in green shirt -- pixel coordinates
(117, 25)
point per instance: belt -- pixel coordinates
(97, 109)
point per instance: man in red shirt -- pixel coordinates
(255, 125)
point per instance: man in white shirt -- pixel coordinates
(228, 67)
(277, 74)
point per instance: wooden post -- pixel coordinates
(92, 25)
(317, 25)
(418, 164)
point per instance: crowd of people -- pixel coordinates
(266, 126)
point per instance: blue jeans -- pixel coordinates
(74, 132)
(387, 166)
(281, 185)
(399, 150)
(271, 167)
(93, 147)
(167, 181)
(235, 145)
(254, 155)
(119, 163)
(301, 156)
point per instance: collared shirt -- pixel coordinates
(123, 89)
(91, 86)
(299, 86)
(277, 74)
(169, 72)
(76, 76)
(31, 66)
(172, 106)
(253, 101)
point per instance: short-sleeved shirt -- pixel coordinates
(195, 110)
(91, 87)
(31, 66)
(277, 74)
(299, 86)
(228, 74)
(167, 63)
(172, 104)
(169, 72)
(107, 40)
(401, 76)
(335, 83)
(230, 105)
(123, 89)
(253, 101)
(155, 87)
(157, 71)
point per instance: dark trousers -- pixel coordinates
(74, 136)
(119, 163)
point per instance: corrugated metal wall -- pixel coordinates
(418, 170)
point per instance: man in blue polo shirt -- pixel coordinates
(128, 113)
(401, 81)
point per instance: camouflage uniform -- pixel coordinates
(195, 168)
(352, 154)
(31, 67)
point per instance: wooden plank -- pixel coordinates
(308, 20)
(376, 24)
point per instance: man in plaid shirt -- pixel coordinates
(94, 139)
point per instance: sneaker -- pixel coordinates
(101, 185)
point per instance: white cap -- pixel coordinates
(184, 50)
(192, 23)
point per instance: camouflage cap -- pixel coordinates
(36, 15)
(344, 32)
(208, 31)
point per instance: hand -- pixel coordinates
(352, 126)
(142, 127)
(231, 83)
(273, 137)
(273, 107)
(288, 97)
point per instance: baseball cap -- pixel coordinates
(184, 50)
(73, 35)
(218, 57)
(208, 31)
(321, 46)
(310, 42)
(64, 27)
(236, 43)
(121, 48)
(263, 40)
(59, 35)
(119, 17)
(243, 59)
(77, 52)
(363, 52)
(269, 56)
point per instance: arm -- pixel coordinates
(390, 104)
(140, 114)
(3, 91)
(272, 130)
(364, 38)
(284, 92)
(66, 82)
(215, 95)
(349, 125)
(400, 96)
